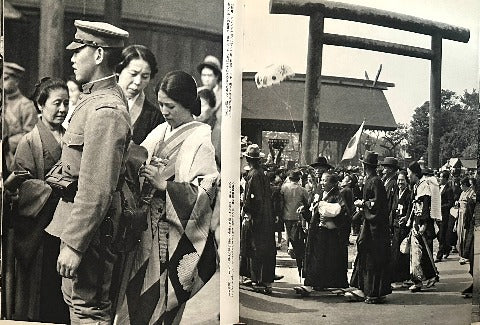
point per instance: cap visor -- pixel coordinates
(74, 46)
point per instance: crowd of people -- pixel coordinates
(111, 208)
(394, 213)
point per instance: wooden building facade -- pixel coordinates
(179, 32)
(344, 104)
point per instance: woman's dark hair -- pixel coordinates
(112, 57)
(208, 95)
(332, 177)
(43, 89)
(182, 88)
(445, 174)
(353, 178)
(135, 51)
(72, 79)
(465, 181)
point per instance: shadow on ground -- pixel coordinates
(258, 303)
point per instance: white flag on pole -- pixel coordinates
(351, 149)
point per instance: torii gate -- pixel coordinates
(318, 10)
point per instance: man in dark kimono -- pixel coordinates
(325, 263)
(371, 274)
(445, 233)
(258, 240)
(390, 168)
(400, 262)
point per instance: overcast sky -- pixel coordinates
(283, 39)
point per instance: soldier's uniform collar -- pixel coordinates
(102, 83)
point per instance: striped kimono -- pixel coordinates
(177, 253)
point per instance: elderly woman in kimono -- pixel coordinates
(177, 253)
(38, 295)
(326, 258)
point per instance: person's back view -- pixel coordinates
(294, 196)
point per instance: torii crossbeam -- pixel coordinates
(318, 10)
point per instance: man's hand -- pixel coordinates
(68, 262)
(421, 229)
(300, 209)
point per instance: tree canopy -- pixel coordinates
(458, 127)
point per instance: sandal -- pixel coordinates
(431, 282)
(260, 288)
(354, 296)
(302, 290)
(375, 300)
(415, 288)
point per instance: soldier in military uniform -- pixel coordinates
(20, 113)
(93, 155)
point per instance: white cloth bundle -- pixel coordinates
(429, 186)
(329, 210)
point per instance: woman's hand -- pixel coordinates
(153, 176)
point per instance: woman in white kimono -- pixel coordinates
(177, 253)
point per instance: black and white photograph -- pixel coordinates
(358, 168)
(111, 161)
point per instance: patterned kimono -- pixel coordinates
(177, 253)
(422, 266)
(37, 295)
(465, 196)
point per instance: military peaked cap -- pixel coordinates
(100, 34)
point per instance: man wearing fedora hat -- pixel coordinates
(20, 114)
(258, 249)
(211, 76)
(390, 168)
(93, 156)
(371, 274)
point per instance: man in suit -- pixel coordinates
(390, 168)
(445, 226)
(93, 156)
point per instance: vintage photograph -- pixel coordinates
(359, 134)
(111, 161)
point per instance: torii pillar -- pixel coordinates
(318, 10)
